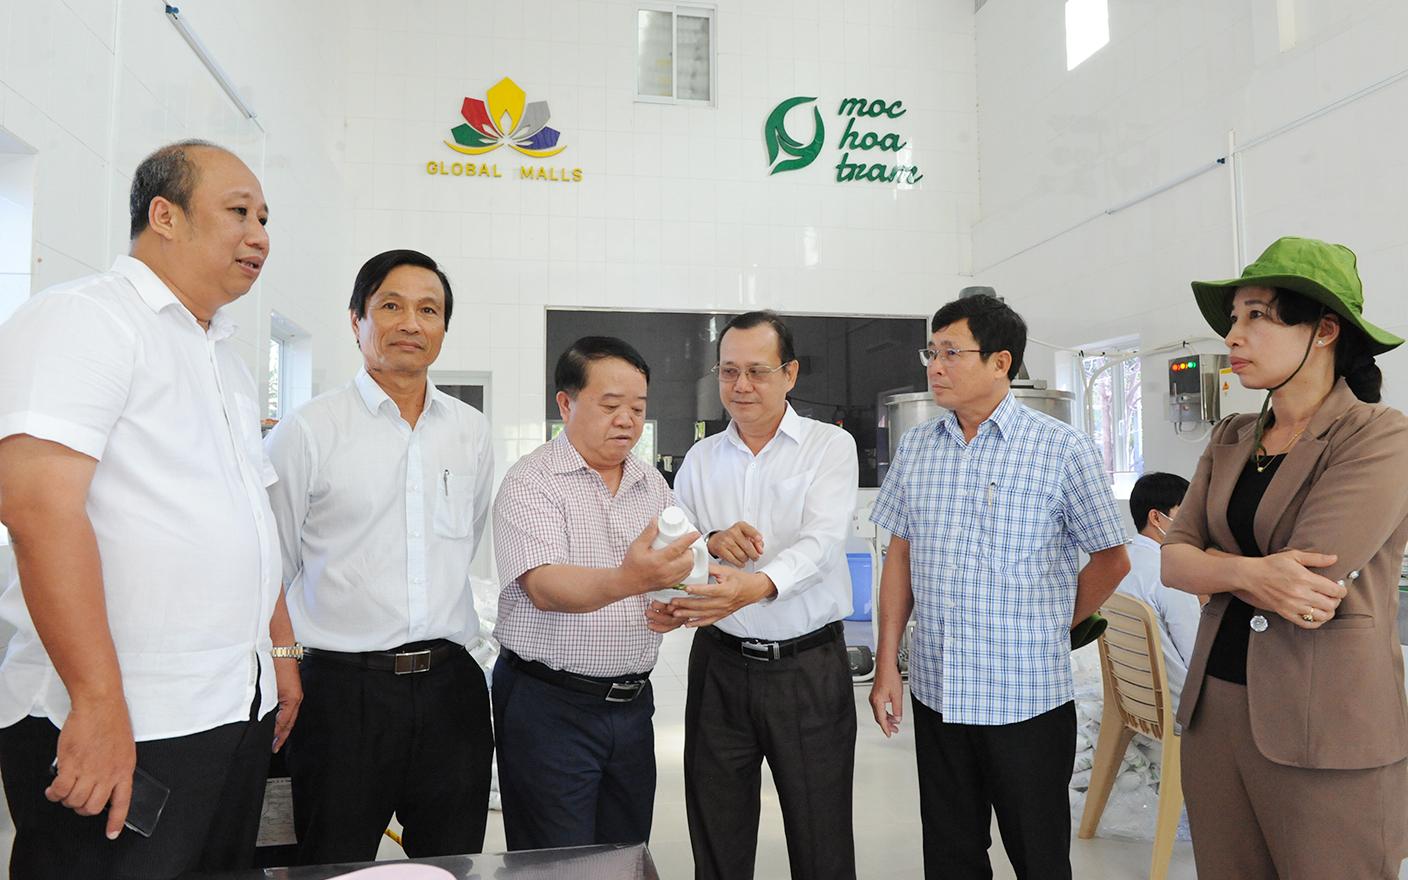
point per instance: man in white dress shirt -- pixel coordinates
(383, 489)
(1153, 502)
(768, 674)
(133, 484)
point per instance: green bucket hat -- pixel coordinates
(1318, 270)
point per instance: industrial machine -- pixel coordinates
(904, 411)
(1193, 388)
(1202, 389)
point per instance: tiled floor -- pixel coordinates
(886, 803)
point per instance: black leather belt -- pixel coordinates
(756, 649)
(612, 690)
(407, 659)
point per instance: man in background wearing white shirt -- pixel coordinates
(768, 674)
(1154, 503)
(133, 485)
(383, 488)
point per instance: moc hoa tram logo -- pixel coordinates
(775, 133)
(505, 119)
(865, 145)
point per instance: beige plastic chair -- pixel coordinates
(1136, 701)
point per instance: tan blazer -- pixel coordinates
(1330, 698)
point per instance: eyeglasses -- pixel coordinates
(728, 374)
(950, 355)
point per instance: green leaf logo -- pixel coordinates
(778, 140)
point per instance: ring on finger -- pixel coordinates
(1308, 616)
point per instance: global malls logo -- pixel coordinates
(504, 118)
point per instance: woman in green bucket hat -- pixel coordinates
(1295, 726)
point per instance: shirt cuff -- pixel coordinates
(783, 577)
(79, 438)
(893, 525)
(520, 567)
(1109, 542)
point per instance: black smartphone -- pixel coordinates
(148, 800)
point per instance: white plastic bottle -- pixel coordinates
(673, 525)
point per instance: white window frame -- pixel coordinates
(1121, 431)
(468, 377)
(295, 355)
(676, 10)
(18, 171)
(272, 411)
(1085, 43)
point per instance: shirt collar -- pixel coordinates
(375, 397)
(1004, 418)
(1145, 541)
(790, 426)
(563, 458)
(158, 297)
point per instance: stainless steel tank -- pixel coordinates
(904, 411)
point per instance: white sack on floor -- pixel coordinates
(1133, 807)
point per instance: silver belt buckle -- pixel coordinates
(413, 661)
(762, 650)
(624, 691)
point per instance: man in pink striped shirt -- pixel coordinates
(573, 527)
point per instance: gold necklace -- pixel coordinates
(1264, 462)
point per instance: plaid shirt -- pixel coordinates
(554, 510)
(994, 527)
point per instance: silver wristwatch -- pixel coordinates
(287, 652)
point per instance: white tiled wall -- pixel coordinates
(93, 86)
(1060, 148)
(676, 209)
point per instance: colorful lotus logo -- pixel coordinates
(506, 121)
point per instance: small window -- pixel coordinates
(1087, 29)
(17, 171)
(290, 368)
(674, 53)
(276, 371)
(1116, 412)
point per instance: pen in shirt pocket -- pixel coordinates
(992, 492)
(445, 481)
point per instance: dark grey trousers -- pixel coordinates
(799, 714)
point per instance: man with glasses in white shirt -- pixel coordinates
(383, 491)
(133, 485)
(768, 674)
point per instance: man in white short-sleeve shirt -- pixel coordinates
(132, 481)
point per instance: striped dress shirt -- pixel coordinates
(553, 509)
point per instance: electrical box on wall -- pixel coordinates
(1194, 392)
(1232, 398)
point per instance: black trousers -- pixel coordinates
(1021, 770)
(574, 770)
(369, 743)
(799, 714)
(210, 821)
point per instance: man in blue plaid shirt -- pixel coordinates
(989, 507)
